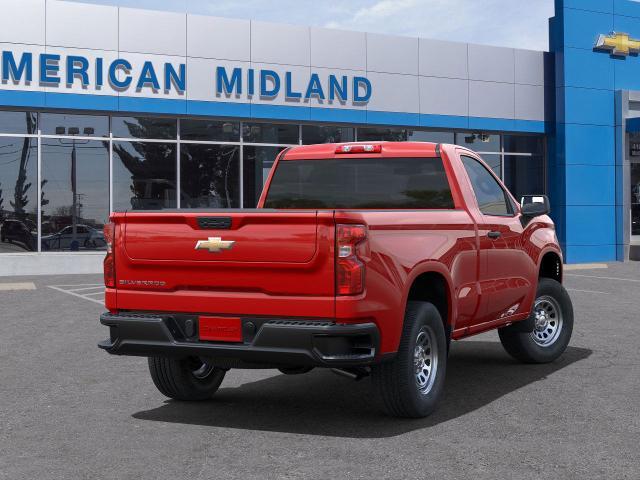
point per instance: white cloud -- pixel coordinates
(513, 23)
(384, 9)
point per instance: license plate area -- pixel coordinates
(219, 329)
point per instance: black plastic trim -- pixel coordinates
(274, 341)
(213, 223)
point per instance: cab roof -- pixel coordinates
(388, 149)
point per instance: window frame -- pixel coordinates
(509, 201)
(445, 171)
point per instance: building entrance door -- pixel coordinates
(635, 202)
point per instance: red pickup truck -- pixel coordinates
(364, 258)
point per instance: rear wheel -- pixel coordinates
(412, 383)
(552, 319)
(189, 378)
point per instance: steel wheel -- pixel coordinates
(548, 321)
(425, 360)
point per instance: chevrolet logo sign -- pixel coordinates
(214, 244)
(618, 44)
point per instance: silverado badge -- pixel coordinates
(214, 244)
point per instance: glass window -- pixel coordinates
(524, 175)
(381, 134)
(145, 127)
(209, 130)
(431, 136)
(491, 198)
(209, 176)
(312, 134)
(270, 133)
(479, 142)
(84, 125)
(403, 135)
(257, 163)
(23, 123)
(533, 144)
(635, 199)
(18, 194)
(75, 194)
(494, 161)
(412, 183)
(144, 175)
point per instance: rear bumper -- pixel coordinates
(266, 341)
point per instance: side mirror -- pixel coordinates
(534, 205)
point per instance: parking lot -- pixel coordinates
(70, 411)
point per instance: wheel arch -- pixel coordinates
(432, 283)
(550, 265)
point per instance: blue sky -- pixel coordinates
(512, 23)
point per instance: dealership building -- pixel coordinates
(105, 108)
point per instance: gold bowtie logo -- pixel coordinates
(619, 44)
(214, 244)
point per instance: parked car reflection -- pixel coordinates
(86, 237)
(153, 194)
(159, 194)
(23, 234)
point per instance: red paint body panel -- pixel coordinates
(259, 237)
(282, 263)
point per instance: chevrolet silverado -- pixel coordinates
(364, 258)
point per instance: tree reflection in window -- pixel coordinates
(76, 172)
(209, 176)
(144, 175)
(18, 180)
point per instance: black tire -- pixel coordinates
(396, 381)
(294, 370)
(187, 378)
(530, 347)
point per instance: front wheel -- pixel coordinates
(553, 324)
(412, 383)
(189, 378)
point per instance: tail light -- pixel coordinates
(109, 259)
(350, 269)
(376, 148)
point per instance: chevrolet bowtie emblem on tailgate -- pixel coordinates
(618, 44)
(214, 244)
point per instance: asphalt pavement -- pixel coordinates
(70, 411)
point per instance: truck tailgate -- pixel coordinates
(256, 237)
(231, 261)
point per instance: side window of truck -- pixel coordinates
(492, 199)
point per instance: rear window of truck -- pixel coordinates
(360, 183)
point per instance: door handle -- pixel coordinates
(494, 234)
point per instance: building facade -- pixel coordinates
(106, 108)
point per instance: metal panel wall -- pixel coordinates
(23, 21)
(98, 28)
(414, 81)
